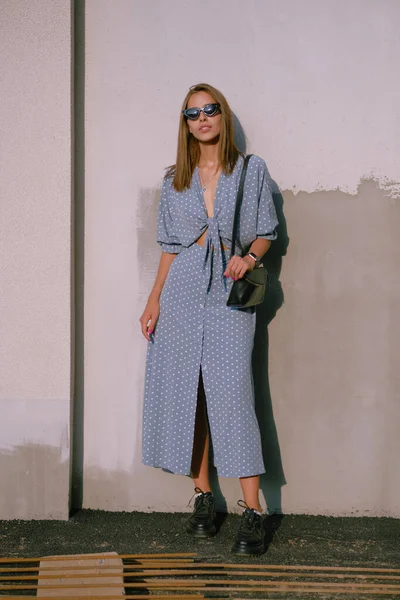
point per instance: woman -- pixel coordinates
(199, 387)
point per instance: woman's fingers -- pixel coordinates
(236, 268)
(148, 322)
(243, 270)
(144, 322)
(230, 268)
(152, 323)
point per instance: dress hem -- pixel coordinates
(220, 473)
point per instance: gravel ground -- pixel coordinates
(292, 540)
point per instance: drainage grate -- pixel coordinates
(183, 576)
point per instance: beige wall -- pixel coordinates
(35, 248)
(315, 88)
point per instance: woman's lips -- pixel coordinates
(205, 128)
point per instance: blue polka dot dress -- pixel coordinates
(196, 330)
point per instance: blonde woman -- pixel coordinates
(199, 387)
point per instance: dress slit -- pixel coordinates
(201, 426)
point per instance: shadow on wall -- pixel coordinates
(145, 228)
(273, 480)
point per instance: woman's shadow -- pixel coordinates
(273, 479)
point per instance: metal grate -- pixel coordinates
(183, 576)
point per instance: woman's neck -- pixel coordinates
(209, 155)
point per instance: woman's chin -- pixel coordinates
(208, 138)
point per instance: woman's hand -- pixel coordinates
(149, 318)
(237, 267)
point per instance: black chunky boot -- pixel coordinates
(201, 523)
(250, 538)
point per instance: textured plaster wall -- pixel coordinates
(35, 249)
(314, 87)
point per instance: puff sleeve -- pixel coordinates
(267, 220)
(166, 235)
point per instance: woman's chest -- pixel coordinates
(196, 204)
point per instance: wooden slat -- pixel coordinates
(96, 556)
(201, 583)
(227, 589)
(125, 596)
(152, 563)
(299, 568)
(294, 590)
(189, 572)
(138, 564)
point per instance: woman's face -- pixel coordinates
(205, 129)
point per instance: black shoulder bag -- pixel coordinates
(250, 290)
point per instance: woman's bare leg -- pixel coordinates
(201, 443)
(251, 488)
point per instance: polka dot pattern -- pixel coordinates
(196, 330)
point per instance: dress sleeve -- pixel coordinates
(166, 235)
(267, 220)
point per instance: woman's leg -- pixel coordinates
(201, 443)
(250, 488)
(202, 522)
(250, 537)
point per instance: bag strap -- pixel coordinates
(239, 199)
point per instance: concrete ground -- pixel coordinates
(292, 540)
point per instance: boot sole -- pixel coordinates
(202, 533)
(245, 550)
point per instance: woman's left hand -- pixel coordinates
(238, 266)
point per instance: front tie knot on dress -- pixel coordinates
(214, 249)
(197, 332)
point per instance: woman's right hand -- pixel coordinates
(149, 318)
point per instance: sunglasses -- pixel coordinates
(209, 110)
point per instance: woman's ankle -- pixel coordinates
(257, 507)
(203, 486)
(251, 492)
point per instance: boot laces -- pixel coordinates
(202, 502)
(249, 519)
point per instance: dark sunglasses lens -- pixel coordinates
(211, 109)
(192, 113)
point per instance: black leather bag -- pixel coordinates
(250, 290)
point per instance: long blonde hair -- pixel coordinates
(188, 152)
